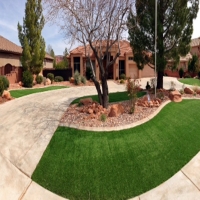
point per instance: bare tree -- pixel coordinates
(98, 25)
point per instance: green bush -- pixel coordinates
(103, 117)
(27, 79)
(50, 76)
(1, 87)
(122, 81)
(58, 79)
(181, 72)
(122, 76)
(199, 74)
(39, 79)
(88, 73)
(5, 82)
(77, 78)
(83, 79)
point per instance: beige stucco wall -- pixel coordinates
(9, 59)
(48, 64)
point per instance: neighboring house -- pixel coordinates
(59, 59)
(10, 65)
(194, 50)
(123, 65)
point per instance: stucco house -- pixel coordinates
(10, 65)
(123, 65)
(194, 50)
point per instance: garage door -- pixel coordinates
(133, 71)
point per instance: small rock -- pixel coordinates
(6, 95)
(188, 90)
(175, 96)
(86, 101)
(116, 110)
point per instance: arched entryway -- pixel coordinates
(7, 69)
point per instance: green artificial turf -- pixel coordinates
(120, 164)
(190, 81)
(113, 97)
(24, 92)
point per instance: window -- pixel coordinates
(77, 64)
(121, 67)
(130, 58)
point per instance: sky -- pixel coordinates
(12, 12)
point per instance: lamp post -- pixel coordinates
(155, 44)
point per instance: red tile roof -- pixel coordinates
(195, 42)
(10, 47)
(124, 48)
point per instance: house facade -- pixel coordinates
(194, 50)
(123, 65)
(10, 65)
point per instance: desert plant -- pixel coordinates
(50, 76)
(5, 82)
(58, 79)
(132, 88)
(77, 78)
(103, 117)
(1, 87)
(122, 81)
(27, 79)
(122, 76)
(39, 79)
(172, 86)
(153, 82)
(83, 79)
(181, 72)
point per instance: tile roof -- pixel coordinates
(124, 48)
(195, 42)
(10, 47)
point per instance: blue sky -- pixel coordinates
(12, 12)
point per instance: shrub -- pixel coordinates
(83, 79)
(132, 88)
(58, 79)
(27, 79)
(103, 117)
(181, 72)
(39, 79)
(77, 78)
(88, 73)
(187, 76)
(44, 80)
(1, 87)
(122, 81)
(199, 74)
(50, 76)
(153, 82)
(5, 82)
(122, 76)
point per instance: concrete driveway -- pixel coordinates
(26, 127)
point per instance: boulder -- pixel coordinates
(86, 101)
(188, 90)
(6, 95)
(90, 111)
(175, 96)
(20, 83)
(48, 81)
(116, 110)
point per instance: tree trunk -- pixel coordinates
(160, 79)
(105, 95)
(97, 85)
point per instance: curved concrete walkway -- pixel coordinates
(26, 127)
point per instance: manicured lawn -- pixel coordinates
(24, 92)
(120, 164)
(113, 97)
(190, 81)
